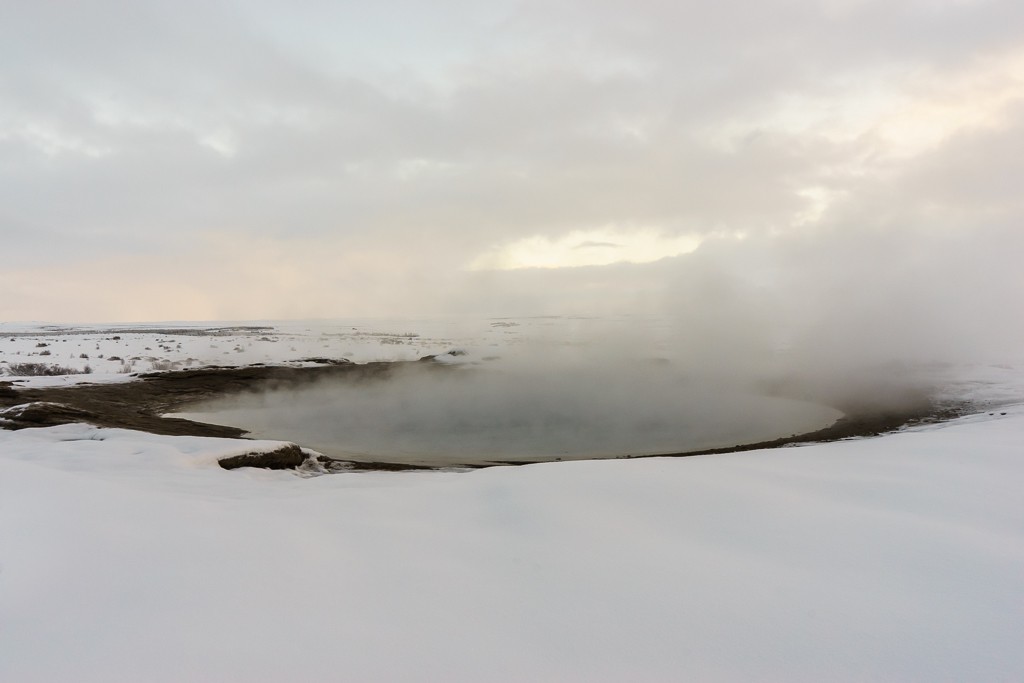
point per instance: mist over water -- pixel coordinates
(509, 410)
(740, 353)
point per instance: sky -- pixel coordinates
(785, 169)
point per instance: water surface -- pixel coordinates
(481, 415)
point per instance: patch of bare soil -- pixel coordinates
(140, 404)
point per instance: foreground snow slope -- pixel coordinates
(129, 557)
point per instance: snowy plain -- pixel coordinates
(111, 353)
(132, 557)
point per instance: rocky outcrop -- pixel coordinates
(42, 414)
(285, 458)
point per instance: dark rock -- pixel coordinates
(45, 414)
(284, 458)
(434, 356)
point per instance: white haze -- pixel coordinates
(558, 387)
(873, 320)
(466, 415)
(848, 173)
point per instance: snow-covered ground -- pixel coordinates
(132, 557)
(116, 352)
(105, 353)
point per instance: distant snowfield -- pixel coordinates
(126, 556)
(111, 353)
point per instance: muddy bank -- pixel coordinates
(867, 421)
(139, 405)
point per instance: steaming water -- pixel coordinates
(481, 415)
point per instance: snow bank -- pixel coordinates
(114, 451)
(126, 556)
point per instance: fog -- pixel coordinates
(500, 411)
(815, 200)
(740, 341)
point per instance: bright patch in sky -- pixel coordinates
(52, 142)
(978, 97)
(817, 200)
(907, 110)
(222, 142)
(596, 247)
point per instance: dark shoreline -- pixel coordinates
(139, 405)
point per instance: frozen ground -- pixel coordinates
(128, 556)
(104, 353)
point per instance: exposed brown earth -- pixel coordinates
(140, 404)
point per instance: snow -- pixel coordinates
(127, 556)
(176, 345)
(135, 557)
(114, 353)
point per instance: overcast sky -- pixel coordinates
(803, 161)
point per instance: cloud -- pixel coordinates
(842, 165)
